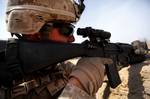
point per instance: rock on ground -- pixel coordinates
(135, 84)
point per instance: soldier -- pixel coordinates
(37, 20)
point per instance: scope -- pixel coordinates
(90, 32)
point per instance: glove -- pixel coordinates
(90, 72)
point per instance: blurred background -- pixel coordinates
(127, 20)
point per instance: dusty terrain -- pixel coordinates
(135, 83)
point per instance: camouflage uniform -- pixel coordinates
(46, 86)
(55, 84)
(90, 72)
(50, 86)
(73, 92)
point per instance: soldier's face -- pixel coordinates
(56, 35)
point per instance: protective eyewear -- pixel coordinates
(64, 28)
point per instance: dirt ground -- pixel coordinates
(135, 84)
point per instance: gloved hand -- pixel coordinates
(90, 72)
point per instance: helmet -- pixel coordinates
(28, 16)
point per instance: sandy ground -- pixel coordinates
(135, 84)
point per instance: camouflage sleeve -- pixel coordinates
(73, 92)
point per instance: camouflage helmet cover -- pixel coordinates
(28, 16)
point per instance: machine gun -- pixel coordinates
(25, 57)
